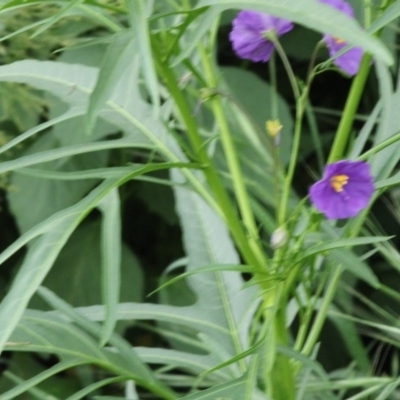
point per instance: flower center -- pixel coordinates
(338, 181)
(338, 40)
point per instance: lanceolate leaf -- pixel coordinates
(111, 259)
(51, 236)
(115, 62)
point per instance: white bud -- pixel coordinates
(279, 238)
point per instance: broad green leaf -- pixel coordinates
(110, 260)
(313, 15)
(255, 97)
(49, 196)
(42, 254)
(126, 109)
(74, 83)
(79, 264)
(220, 295)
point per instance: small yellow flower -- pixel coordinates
(273, 127)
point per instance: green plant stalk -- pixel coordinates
(288, 68)
(323, 311)
(338, 148)
(276, 139)
(274, 86)
(225, 207)
(233, 165)
(301, 101)
(300, 106)
(352, 103)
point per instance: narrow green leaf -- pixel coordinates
(386, 183)
(388, 390)
(208, 268)
(71, 113)
(139, 23)
(340, 243)
(355, 266)
(111, 260)
(126, 352)
(40, 258)
(55, 18)
(97, 385)
(116, 61)
(234, 389)
(389, 15)
(30, 383)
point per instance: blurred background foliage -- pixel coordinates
(151, 234)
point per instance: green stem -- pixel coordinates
(233, 164)
(379, 147)
(275, 141)
(214, 181)
(301, 103)
(353, 100)
(274, 85)
(323, 311)
(288, 68)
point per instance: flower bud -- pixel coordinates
(279, 238)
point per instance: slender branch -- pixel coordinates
(346, 123)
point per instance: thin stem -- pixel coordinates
(313, 58)
(346, 123)
(233, 164)
(225, 206)
(323, 311)
(288, 68)
(275, 141)
(274, 85)
(293, 157)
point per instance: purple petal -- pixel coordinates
(348, 62)
(355, 194)
(340, 5)
(248, 34)
(322, 196)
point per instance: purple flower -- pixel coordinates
(249, 35)
(348, 62)
(345, 189)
